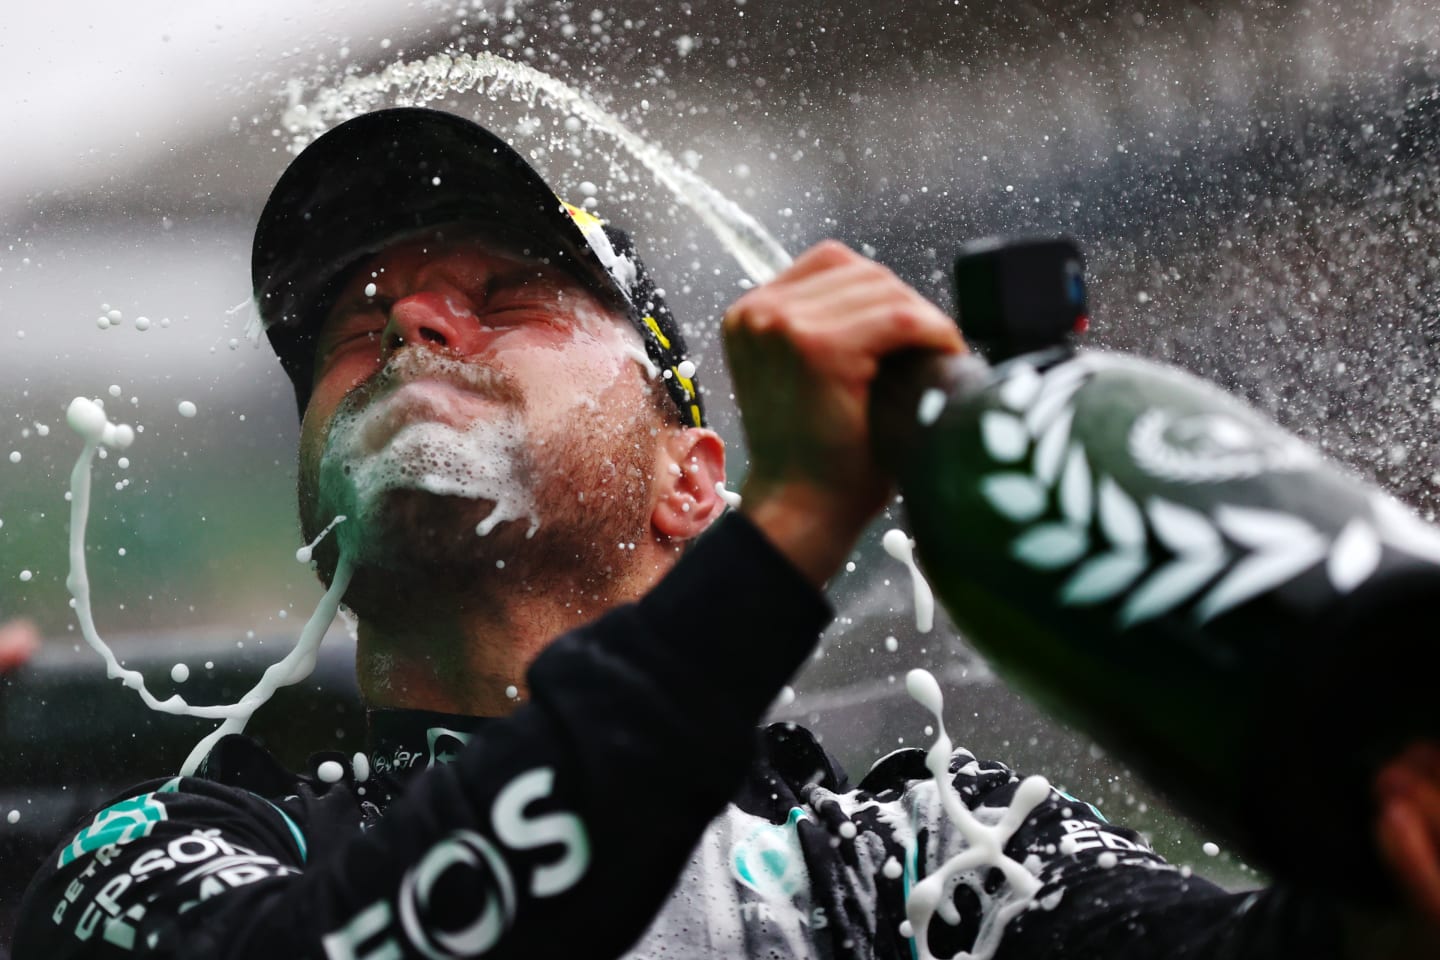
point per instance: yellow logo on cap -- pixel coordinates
(584, 219)
(655, 329)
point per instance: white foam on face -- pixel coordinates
(88, 419)
(902, 548)
(639, 355)
(482, 461)
(985, 844)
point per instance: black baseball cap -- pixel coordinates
(386, 175)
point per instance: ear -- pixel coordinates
(691, 464)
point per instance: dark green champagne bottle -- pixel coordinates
(1249, 625)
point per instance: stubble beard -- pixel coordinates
(557, 511)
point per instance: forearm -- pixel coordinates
(800, 521)
(538, 817)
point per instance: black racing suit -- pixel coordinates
(630, 806)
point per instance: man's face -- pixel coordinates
(476, 413)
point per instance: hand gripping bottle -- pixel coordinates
(1249, 625)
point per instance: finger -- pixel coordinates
(884, 325)
(825, 255)
(850, 351)
(820, 294)
(1407, 846)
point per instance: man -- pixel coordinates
(495, 398)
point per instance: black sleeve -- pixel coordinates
(1106, 894)
(569, 821)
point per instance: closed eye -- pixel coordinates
(362, 323)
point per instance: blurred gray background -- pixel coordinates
(1253, 182)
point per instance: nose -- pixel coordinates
(433, 319)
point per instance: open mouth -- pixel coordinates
(425, 401)
(423, 387)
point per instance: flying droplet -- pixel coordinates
(186, 408)
(932, 404)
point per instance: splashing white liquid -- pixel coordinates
(418, 82)
(985, 845)
(731, 498)
(902, 548)
(305, 553)
(88, 419)
(932, 404)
